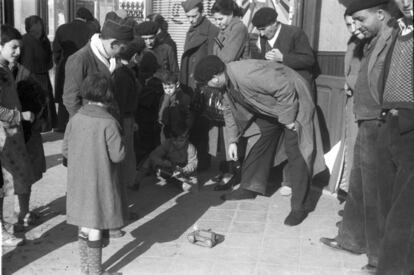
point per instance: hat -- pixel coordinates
(358, 5)
(208, 67)
(117, 28)
(190, 4)
(147, 28)
(84, 13)
(264, 17)
(137, 45)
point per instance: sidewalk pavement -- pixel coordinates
(256, 240)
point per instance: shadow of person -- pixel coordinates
(53, 160)
(38, 246)
(168, 226)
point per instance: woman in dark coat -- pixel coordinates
(37, 58)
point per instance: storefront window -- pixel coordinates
(58, 14)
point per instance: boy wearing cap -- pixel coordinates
(285, 44)
(199, 43)
(263, 102)
(396, 143)
(165, 54)
(360, 230)
(97, 56)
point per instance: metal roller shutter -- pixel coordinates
(177, 21)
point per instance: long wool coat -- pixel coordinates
(266, 87)
(93, 147)
(198, 44)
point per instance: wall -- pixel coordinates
(23, 9)
(333, 34)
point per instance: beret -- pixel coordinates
(264, 17)
(190, 4)
(358, 5)
(137, 45)
(147, 28)
(208, 67)
(117, 28)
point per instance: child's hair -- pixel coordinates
(97, 87)
(8, 33)
(168, 77)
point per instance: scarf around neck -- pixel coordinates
(99, 51)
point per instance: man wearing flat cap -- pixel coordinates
(266, 102)
(362, 224)
(96, 56)
(284, 44)
(199, 43)
(165, 54)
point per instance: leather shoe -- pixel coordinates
(296, 217)
(333, 243)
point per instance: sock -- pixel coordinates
(95, 257)
(83, 253)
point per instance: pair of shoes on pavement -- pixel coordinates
(23, 223)
(296, 217)
(333, 243)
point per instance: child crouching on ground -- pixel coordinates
(93, 146)
(176, 158)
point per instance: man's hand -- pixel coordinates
(28, 116)
(233, 151)
(275, 55)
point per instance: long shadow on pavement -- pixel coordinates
(167, 226)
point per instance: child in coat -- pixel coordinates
(17, 171)
(173, 95)
(93, 146)
(176, 158)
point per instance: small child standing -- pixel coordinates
(93, 146)
(173, 95)
(176, 158)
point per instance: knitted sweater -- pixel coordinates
(398, 91)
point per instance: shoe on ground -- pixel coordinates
(186, 186)
(333, 243)
(9, 240)
(217, 178)
(239, 194)
(227, 182)
(295, 217)
(23, 223)
(285, 191)
(370, 269)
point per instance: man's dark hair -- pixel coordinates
(84, 13)
(32, 20)
(97, 87)
(200, 7)
(9, 33)
(168, 77)
(226, 7)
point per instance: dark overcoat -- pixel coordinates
(198, 44)
(93, 147)
(69, 38)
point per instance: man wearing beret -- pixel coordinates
(96, 56)
(396, 144)
(199, 43)
(265, 102)
(362, 225)
(165, 54)
(285, 44)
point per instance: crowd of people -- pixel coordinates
(127, 109)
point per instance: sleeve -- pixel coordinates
(191, 160)
(65, 140)
(172, 60)
(57, 48)
(13, 117)
(230, 122)
(234, 44)
(115, 143)
(301, 57)
(74, 75)
(157, 156)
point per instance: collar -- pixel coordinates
(406, 25)
(271, 41)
